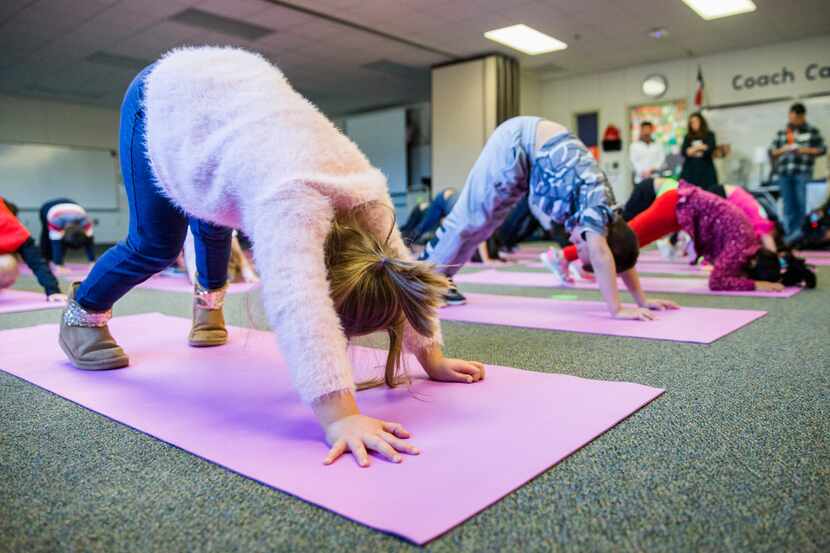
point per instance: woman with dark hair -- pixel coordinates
(697, 150)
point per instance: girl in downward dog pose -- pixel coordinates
(528, 155)
(639, 203)
(216, 138)
(721, 233)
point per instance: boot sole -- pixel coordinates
(206, 343)
(104, 365)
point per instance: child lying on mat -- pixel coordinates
(216, 138)
(721, 233)
(565, 185)
(735, 195)
(16, 241)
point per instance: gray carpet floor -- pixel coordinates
(734, 457)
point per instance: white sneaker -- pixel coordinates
(666, 250)
(553, 260)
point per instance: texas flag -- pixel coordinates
(699, 90)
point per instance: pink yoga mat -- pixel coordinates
(12, 301)
(654, 267)
(234, 406)
(688, 324)
(814, 253)
(653, 257)
(179, 283)
(521, 255)
(650, 284)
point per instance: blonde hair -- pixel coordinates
(375, 289)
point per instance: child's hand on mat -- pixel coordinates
(456, 370)
(764, 286)
(445, 369)
(348, 430)
(357, 433)
(660, 305)
(636, 313)
(56, 298)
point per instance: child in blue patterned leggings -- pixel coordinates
(565, 186)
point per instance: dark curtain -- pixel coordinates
(507, 88)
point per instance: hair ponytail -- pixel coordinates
(373, 289)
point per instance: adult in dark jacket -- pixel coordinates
(697, 150)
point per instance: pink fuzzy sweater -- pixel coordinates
(231, 142)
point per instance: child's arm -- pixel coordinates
(31, 256)
(606, 275)
(290, 230)
(631, 278)
(446, 369)
(379, 219)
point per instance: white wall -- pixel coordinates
(530, 94)
(48, 122)
(613, 92)
(463, 117)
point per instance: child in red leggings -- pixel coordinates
(721, 232)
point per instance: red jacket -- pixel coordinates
(12, 231)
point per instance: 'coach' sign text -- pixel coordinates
(812, 72)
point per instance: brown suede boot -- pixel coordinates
(86, 340)
(208, 320)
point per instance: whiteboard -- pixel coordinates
(750, 130)
(32, 174)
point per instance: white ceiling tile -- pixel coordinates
(327, 58)
(237, 9)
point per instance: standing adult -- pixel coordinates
(794, 151)
(697, 150)
(646, 155)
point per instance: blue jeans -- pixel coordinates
(439, 208)
(794, 193)
(157, 228)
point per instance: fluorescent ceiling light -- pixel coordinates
(525, 39)
(714, 9)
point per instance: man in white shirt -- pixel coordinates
(646, 155)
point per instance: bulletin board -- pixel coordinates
(669, 120)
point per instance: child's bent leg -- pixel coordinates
(157, 228)
(657, 221)
(496, 183)
(212, 245)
